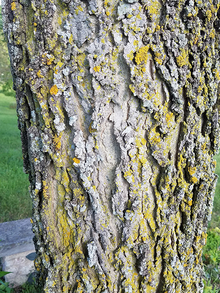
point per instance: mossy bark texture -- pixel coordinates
(117, 108)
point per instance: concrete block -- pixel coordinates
(16, 242)
(19, 266)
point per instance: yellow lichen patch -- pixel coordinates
(159, 57)
(66, 289)
(143, 140)
(203, 147)
(192, 170)
(96, 145)
(64, 229)
(135, 43)
(196, 40)
(57, 142)
(52, 41)
(199, 89)
(65, 12)
(153, 8)
(183, 59)
(212, 34)
(75, 160)
(128, 175)
(80, 59)
(115, 54)
(79, 8)
(37, 264)
(214, 164)
(142, 55)
(155, 138)
(65, 181)
(216, 73)
(71, 39)
(50, 60)
(61, 191)
(209, 14)
(194, 179)
(59, 20)
(151, 221)
(13, 6)
(205, 91)
(60, 64)
(158, 60)
(138, 70)
(169, 116)
(39, 74)
(97, 68)
(132, 88)
(45, 189)
(54, 90)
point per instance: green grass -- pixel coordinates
(29, 287)
(211, 260)
(15, 202)
(211, 252)
(215, 222)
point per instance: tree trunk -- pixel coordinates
(117, 108)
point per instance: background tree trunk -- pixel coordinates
(117, 107)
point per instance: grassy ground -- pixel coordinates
(211, 252)
(215, 222)
(14, 197)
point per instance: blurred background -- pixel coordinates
(15, 202)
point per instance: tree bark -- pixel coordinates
(118, 113)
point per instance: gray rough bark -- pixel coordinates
(117, 108)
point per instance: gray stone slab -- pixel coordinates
(16, 237)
